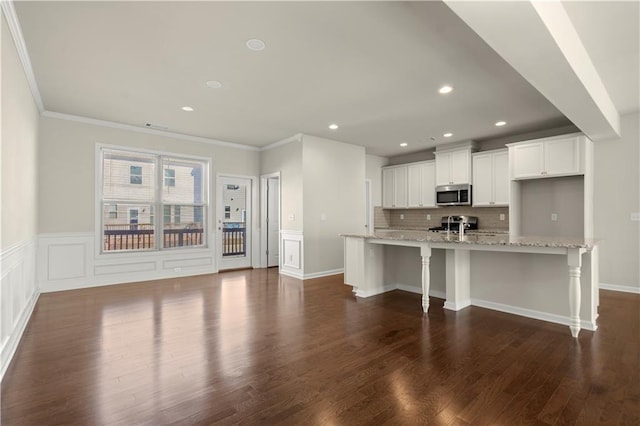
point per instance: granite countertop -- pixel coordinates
(482, 238)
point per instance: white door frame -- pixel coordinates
(263, 216)
(368, 187)
(252, 247)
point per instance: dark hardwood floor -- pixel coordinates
(253, 347)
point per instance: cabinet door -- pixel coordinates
(562, 157)
(400, 187)
(482, 180)
(443, 168)
(527, 160)
(429, 184)
(500, 178)
(414, 176)
(387, 188)
(460, 166)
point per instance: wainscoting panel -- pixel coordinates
(18, 295)
(292, 254)
(70, 261)
(63, 260)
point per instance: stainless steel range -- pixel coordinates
(452, 223)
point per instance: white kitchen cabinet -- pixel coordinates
(550, 157)
(491, 178)
(394, 187)
(421, 184)
(453, 167)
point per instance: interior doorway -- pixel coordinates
(233, 222)
(270, 222)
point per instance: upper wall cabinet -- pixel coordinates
(394, 187)
(491, 178)
(453, 166)
(549, 157)
(422, 184)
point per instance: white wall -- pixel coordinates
(374, 165)
(287, 159)
(19, 124)
(68, 248)
(617, 195)
(334, 201)
(67, 167)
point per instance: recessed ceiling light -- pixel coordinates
(403, 144)
(187, 108)
(445, 89)
(256, 44)
(333, 126)
(214, 84)
(448, 135)
(501, 123)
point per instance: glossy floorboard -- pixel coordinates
(253, 347)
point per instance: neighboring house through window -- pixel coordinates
(137, 184)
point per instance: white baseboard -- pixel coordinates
(291, 273)
(621, 288)
(18, 296)
(452, 306)
(374, 291)
(324, 273)
(397, 286)
(418, 290)
(529, 313)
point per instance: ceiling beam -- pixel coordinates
(540, 42)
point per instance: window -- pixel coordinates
(172, 185)
(169, 177)
(135, 175)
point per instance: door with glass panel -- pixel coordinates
(234, 222)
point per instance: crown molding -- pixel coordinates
(16, 32)
(131, 128)
(295, 138)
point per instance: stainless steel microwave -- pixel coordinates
(453, 195)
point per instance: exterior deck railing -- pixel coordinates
(234, 241)
(142, 236)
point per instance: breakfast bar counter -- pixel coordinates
(364, 263)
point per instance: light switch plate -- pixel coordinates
(292, 217)
(501, 216)
(635, 217)
(554, 217)
(401, 216)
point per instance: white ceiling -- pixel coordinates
(372, 67)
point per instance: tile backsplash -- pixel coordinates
(488, 217)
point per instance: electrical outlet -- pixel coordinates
(401, 216)
(177, 269)
(292, 217)
(428, 217)
(554, 217)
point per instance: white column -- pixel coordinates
(574, 260)
(425, 252)
(458, 281)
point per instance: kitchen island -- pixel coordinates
(536, 275)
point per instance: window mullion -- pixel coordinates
(159, 227)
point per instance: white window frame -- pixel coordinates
(208, 232)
